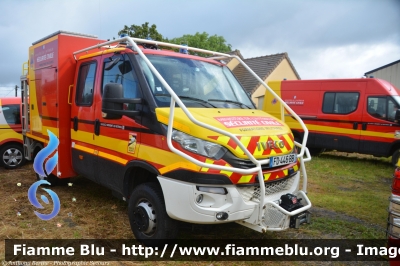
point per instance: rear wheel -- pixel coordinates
(12, 156)
(148, 217)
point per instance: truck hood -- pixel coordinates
(262, 134)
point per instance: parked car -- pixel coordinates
(11, 143)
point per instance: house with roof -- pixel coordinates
(389, 72)
(268, 67)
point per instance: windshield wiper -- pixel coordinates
(189, 98)
(229, 101)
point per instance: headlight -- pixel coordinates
(198, 146)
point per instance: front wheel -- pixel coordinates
(12, 156)
(148, 217)
(395, 157)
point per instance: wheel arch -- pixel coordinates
(136, 173)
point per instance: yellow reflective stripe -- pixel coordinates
(286, 172)
(245, 141)
(177, 165)
(112, 157)
(245, 179)
(223, 140)
(228, 173)
(83, 148)
(177, 125)
(101, 154)
(289, 140)
(257, 151)
(205, 169)
(267, 176)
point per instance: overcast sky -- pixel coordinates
(323, 38)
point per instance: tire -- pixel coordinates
(12, 156)
(148, 217)
(395, 157)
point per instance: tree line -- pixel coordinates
(198, 40)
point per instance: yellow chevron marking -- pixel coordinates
(295, 168)
(228, 173)
(260, 152)
(223, 140)
(178, 165)
(285, 172)
(245, 141)
(245, 179)
(289, 141)
(205, 169)
(267, 176)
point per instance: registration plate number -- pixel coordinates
(281, 160)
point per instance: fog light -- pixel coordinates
(199, 198)
(222, 216)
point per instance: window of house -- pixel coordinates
(85, 88)
(11, 114)
(340, 102)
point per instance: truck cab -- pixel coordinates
(174, 134)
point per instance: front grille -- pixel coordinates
(252, 193)
(241, 163)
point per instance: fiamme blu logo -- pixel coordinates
(43, 170)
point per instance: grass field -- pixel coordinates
(349, 193)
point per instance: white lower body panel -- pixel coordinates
(240, 203)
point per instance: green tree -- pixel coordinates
(204, 41)
(199, 40)
(142, 31)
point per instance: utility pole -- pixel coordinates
(16, 87)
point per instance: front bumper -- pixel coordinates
(240, 203)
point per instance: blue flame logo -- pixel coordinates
(44, 153)
(49, 167)
(32, 198)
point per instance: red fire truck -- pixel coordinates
(350, 115)
(172, 133)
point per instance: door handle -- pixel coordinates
(76, 123)
(355, 125)
(364, 126)
(97, 127)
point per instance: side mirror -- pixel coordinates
(113, 102)
(112, 91)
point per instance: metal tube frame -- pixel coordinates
(175, 99)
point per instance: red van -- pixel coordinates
(350, 115)
(11, 144)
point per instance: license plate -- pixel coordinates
(281, 160)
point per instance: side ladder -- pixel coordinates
(28, 143)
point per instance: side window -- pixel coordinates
(382, 107)
(11, 114)
(122, 73)
(85, 88)
(340, 102)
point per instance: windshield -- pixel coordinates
(197, 83)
